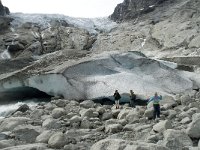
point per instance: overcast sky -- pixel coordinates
(73, 8)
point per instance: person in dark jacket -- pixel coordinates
(117, 97)
(156, 105)
(132, 98)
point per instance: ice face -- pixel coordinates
(100, 75)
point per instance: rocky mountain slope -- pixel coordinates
(79, 61)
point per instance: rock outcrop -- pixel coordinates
(3, 10)
(132, 9)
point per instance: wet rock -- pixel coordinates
(23, 108)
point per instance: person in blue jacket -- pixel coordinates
(156, 105)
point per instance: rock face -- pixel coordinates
(131, 9)
(3, 10)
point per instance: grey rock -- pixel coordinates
(193, 129)
(180, 139)
(87, 104)
(10, 123)
(44, 136)
(51, 124)
(90, 113)
(7, 143)
(27, 133)
(113, 128)
(108, 144)
(58, 112)
(162, 126)
(106, 116)
(37, 146)
(4, 136)
(57, 140)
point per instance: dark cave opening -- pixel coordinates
(22, 94)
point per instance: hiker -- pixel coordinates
(156, 105)
(117, 98)
(132, 99)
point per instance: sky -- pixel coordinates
(72, 8)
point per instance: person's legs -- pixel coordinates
(154, 112)
(118, 104)
(158, 111)
(131, 103)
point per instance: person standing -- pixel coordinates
(117, 97)
(132, 98)
(156, 105)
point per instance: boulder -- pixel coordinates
(58, 112)
(162, 126)
(113, 128)
(75, 119)
(193, 129)
(10, 123)
(110, 144)
(51, 124)
(85, 124)
(90, 113)
(106, 116)
(27, 133)
(4, 136)
(149, 113)
(23, 108)
(185, 100)
(57, 140)
(7, 143)
(87, 104)
(44, 136)
(176, 140)
(37, 146)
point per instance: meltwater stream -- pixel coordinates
(7, 109)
